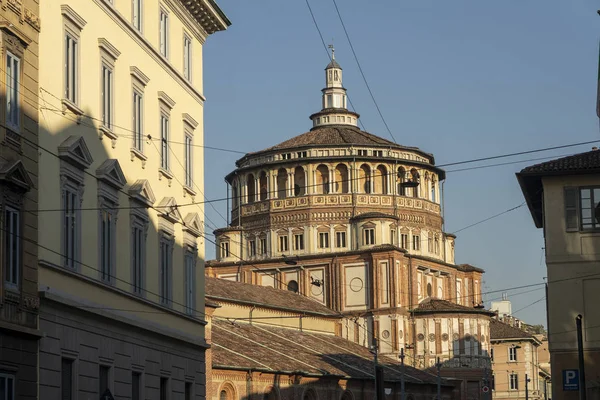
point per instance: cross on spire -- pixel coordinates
(332, 51)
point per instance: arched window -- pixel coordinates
(347, 395)
(364, 178)
(322, 179)
(310, 394)
(234, 195)
(341, 179)
(299, 182)
(433, 196)
(429, 290)
(251, 188)
(282, 181)
(264, 188)
(271, 394)
(227, 392)
(401, 176)
(380, 180)
(414, 176)
(425, 187)
(292, 286)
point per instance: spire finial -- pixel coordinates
(332, 51)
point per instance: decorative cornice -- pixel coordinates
(32, 19)
(187, 118)
(139, 75)
(7, 26)
(105, 45)
(68, 12)
(162, 96)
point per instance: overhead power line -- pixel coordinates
(329, 56)
(361, 71)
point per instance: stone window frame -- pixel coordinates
(73, 24)
(14, 42)
(283, 239)
(141, 198)
(168, 217)
(164, 11)
(368, 234)
(299, 239)
(140, 25)
(108, 57)
(192, 230)
(165, 107)
(14, 183)
(189, 126)
(111, 180)
(75, 159)
(343, 236)
(12, 378)
(323, 240)
(188, 57)
(139, 81)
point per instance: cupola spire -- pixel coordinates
(334, 102)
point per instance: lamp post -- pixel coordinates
(374, 351)
(439, 379)
(402, 374)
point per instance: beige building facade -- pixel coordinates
(515, 363)
(354, 221)
(563, 196)
(121, 135)
(19, 301)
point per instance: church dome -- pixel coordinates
(333, 64)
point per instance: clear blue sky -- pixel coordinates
(460, 79)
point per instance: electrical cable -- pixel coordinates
(362, 73)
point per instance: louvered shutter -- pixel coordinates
(571, 209)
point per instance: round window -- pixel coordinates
(292, 286)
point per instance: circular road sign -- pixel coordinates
(485, 389)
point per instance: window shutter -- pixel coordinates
(571, 209)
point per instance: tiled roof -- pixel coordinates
(437, 305)
(277, 349)
(588, 161)
(374, 215)
(346, 135)
(500, 330)
(267, 297)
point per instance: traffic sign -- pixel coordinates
(485, 389)
(570, 379)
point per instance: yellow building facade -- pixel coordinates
(121, 136)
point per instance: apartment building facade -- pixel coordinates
(515, 363)
(563, 196)
(19, 301)
(121, 266)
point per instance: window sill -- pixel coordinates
(69, 105)
(104, 131)
(166, 174)
(135, 153)
(189, 190)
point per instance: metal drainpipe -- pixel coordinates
(250, 315)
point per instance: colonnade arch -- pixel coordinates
(333, 178)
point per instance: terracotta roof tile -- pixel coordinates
(588, 161)
(221, 289)
(277, 349)
(500, 330)
(436, 305)
(346, 135)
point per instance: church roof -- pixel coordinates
(268, 348)
(332, 135)
(333, 64)
(437, 305)
(266, 297)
